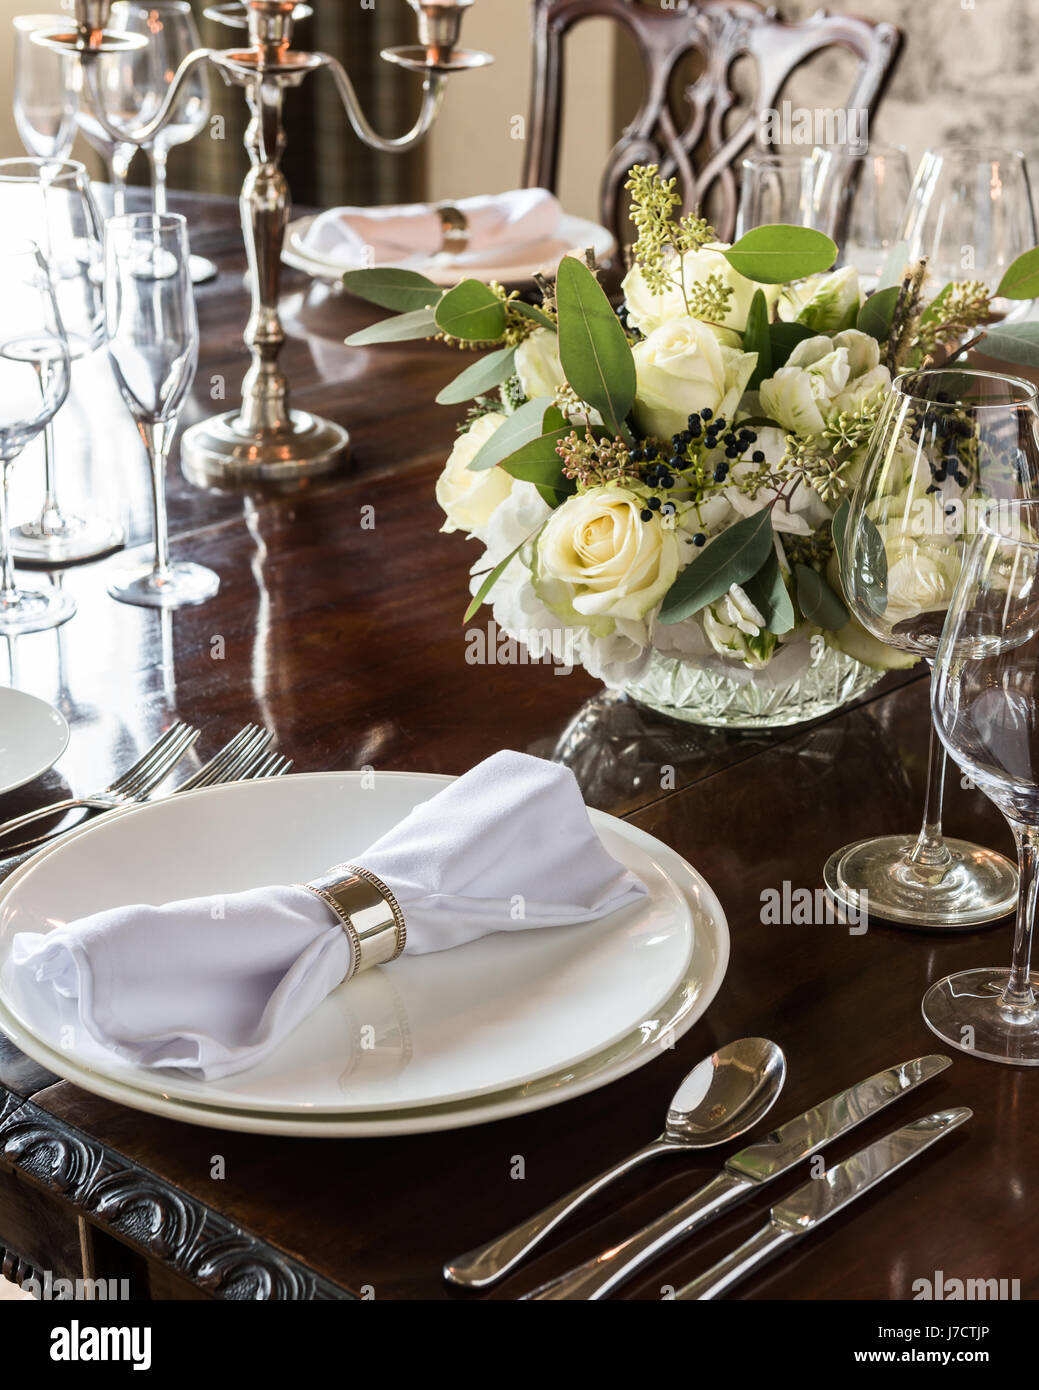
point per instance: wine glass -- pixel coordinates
(986, 709)
(34, 381)
(51, 202)
(45, 102)
(169, 26)
(946, 442)
(153, 346)
(861, 198)
(777, 188)
(970, 213)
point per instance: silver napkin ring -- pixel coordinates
(368, 912)
(454, 229)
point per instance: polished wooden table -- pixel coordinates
(348, 643)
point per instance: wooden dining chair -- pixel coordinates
(696, 144)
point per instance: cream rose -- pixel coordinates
(680, 368)
(822, 378)
(537, 364)
(648, 311)
(468, 498)
(824, 303)
(921, 573)
(599, 563)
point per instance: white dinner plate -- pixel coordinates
(513, 266)
(510, 1023)
(33, 736)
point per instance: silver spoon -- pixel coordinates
(723, 1097)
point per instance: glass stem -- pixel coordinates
(930, 854)
(122, 157)
(157, 438)
(157, 165)
(1018, 992)
(8, 591)
(51, 520)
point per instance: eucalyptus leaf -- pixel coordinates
(593, 349)
(551, 496)
(479, 377)
(538, 462)
(531, 311)
(817, 601)
(392, 288)
(774, 254)
(733, 558)
(756, 339)
(876, 315)
(419, 323)
(472, 311)
(768, 593)
(870, 560)
(839, 526)
(1021, 278)
(1013, 342)
(491, 579)
(519, 428)
(783, 338)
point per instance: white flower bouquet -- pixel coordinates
(662, 482)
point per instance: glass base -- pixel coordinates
(181, 585)
(35, 610)
(966, 1011)
(872, 877)
(201, 270)
(57, 539)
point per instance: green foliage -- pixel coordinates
(593, 348)
(756, 338)
(817, 601)
(419, 323)
(472, 311)
(390, 288)
(775, 254)
(768, 593)
(732, 558)
(481, 376)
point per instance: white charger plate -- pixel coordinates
(33, 736)
(504, 1025)
(514, 266)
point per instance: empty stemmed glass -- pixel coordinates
(986, 709)
(34, 381)
(45, 101)
(861, 198)
(51, 202)
(946, 443)
(970, 213)
(153, 346)
(777, 187)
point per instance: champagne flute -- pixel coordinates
(34, 381)
(986, 710)
(153, 346)
(169, 26)
(52, 203)
(861, 198)
(970, 213)
(946, 442)
(44, 100)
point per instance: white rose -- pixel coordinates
(537, 364)
(736, 628)
(599, 563)
(800, 512)
(681, 368)
(824, 303)
(921, 573)
(469, 498)
(822, 378)
(648, 311)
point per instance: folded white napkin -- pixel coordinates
(212, 985)
(355, 237)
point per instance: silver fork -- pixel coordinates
(273, 765)
(133, 785)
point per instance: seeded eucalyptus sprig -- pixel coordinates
(662, 240)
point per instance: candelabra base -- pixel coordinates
(218, 452)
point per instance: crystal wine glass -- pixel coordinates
(986, 709)
(861, 199)
(153, 346)
(51, 202)
(34, 381)
(777, 188)
(169, 26)
(45, 102)
(970, 213)
(946, 442)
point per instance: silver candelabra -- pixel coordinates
(266, 440)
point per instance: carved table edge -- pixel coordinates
(154, 1217)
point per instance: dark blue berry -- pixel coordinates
(699, 538)
(653, 504)
(706, 414)
(646, 514)
(721, 473)
(757, 456)
(733, 451)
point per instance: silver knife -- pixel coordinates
(820, 1198)
(741, 1175)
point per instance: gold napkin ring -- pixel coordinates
(454, 229)
(368, 912)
